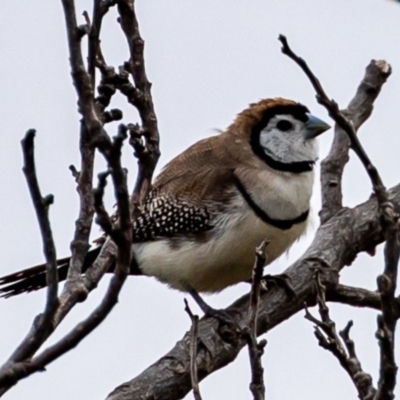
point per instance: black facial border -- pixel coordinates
(298, 111)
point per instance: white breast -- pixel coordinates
(224, 260)
(282, 195)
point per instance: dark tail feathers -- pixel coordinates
(34, 278)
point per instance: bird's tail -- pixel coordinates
(34, 278)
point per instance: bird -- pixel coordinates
(214, 203)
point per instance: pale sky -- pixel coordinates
(207, 60)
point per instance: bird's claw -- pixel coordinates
(283, 281)
(224, 317)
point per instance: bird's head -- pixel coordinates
(282, 133)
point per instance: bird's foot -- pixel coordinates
(222, 316)
(283, 281)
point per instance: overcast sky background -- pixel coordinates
(207, 60)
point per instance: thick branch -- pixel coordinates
(358, 111)
(336, 244)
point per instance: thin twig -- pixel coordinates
(77, 286)
(43, 323)
(91, 129)
(81, 78)
(143, 101)
(193, 351)
(80, 243)
(388, 319)
(354, 296)
(326, 334)
(359, 297)
(146, 145)
(92, 135)
(255, 348)
(389, 221)
(42, 205)
(102, 219)
(19, 370)
(341, 120)
(94, 36)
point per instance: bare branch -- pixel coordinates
(389, 221)
(123, 238)
(359, 297)
(80, 243)
(388, 319)
(81, 78)
(43, 323)
(341, 120)
(139, 96)
(94, 36)
(363, 381)
(354, 296)
(92, 135)
(193, 351)
(358, 111)
(335, 244)
(23, 369)
(78, 286)
(143, 100)
(325, 332)
(42, 209)
(91, 128)
(103, 219)
(256, 349)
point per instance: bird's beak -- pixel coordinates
(314, 127)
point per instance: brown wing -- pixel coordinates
(188, 194)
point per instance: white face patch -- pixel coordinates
(283, 139)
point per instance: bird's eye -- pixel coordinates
(284, 125)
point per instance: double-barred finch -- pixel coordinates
(215, 202)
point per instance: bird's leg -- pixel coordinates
(221, 315)
(283, 281)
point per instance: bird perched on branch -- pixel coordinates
(215, 202)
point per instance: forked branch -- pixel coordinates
(43, 323)
(116, 251)
(389, 220)
(325, 332)
(335, 245)
(343, 121)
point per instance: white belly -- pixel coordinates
(223, 261)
